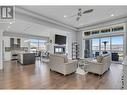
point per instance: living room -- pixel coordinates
(73, 53)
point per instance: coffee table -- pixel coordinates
(82, 63)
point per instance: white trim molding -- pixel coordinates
(13, 34)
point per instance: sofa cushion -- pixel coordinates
(65, 57)
(106, 59)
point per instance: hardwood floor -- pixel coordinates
(38, 76)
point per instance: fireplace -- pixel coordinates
(59, 49)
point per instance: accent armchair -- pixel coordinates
(61, 64)
(99, 65)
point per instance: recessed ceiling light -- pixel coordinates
(10, 22)
(112, 15)
(65, 16)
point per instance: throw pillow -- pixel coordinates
(99, 58)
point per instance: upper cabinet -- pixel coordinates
(15, 43)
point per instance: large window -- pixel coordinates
(95, 44)
(95, 47)
(38, 45)
(105, 45)
(117, 47)
(117, 43)
(112, 45)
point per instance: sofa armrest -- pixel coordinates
(94, 62)
(70, 67)
(71, 61)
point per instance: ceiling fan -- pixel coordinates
(81, 13)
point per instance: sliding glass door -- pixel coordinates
(111, 45)
(95, 47)
(105, 45)
(117, 48)
(37, 45)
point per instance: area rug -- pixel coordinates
(45, 60)
(80, 71)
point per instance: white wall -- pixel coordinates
(81, 43)
(1, 37)
(71, 38)
(7, 55)
(3, 26)
(125, 40)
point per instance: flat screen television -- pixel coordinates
(60, 40)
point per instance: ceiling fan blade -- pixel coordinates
(79, 13)
(88, 11)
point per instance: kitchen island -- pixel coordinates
(26, 58)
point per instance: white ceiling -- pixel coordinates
(100, 14)
(29, 28)
(24, 27)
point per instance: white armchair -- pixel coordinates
(100, 65)
(61, 64)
